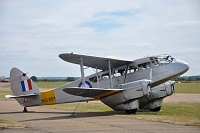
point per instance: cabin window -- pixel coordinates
(105, 76)
(93, 79)
(119, 72)
(132, 69)
(144, 65)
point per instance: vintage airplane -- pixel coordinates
(120, 84)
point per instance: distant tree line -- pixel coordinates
(187, 78)
(69, 79)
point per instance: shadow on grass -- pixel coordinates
(65, 115)
(68, 114)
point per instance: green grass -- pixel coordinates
(177, 113)
(50, 85)
(5, 92)
(8, 123)
(187, 88)
(83, 107)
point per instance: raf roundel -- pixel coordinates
(87, 83)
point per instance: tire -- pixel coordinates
(132, 111)
(156, 109)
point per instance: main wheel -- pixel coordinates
(156, 109)
(132, 111)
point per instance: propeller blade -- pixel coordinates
(150, 74)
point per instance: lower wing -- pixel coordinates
(96, 93)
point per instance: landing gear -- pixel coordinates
(156, 109)
(25, 109)
(132, 111)
(24, 104)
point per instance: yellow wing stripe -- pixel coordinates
(106, 94)
(48, 97)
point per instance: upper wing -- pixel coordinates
(92, 61)
(96, 93)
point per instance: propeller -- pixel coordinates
(150, 74)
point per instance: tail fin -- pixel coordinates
(23, 87)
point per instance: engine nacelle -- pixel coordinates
(163, 90)
(127, 99)
(157, 95)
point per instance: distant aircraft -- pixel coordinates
(120, 84)
(4, 79)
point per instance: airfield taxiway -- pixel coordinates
(44, 120)
(41, 119)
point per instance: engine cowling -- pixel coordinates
(126, 99)
(157, 95)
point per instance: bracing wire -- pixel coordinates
(73, 113)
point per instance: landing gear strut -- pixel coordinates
(25, 109)
(132, 111)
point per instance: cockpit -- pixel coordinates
(161, 59)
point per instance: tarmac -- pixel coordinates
(45, 120)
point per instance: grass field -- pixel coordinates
(10, 124)
(3, 93)
(177, 113)
(187, 88)
(49, 85)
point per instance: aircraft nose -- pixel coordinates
(180, 67)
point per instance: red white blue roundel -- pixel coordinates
(87, 83)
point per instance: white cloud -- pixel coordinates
(189, 23)
(45, 22)
(34, 33)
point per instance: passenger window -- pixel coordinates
(132, 69)
(144, 65)
(93, 79)
(105, 76)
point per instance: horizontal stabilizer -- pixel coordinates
(21, 96)
(96, 93)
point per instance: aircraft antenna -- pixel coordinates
(141, 53)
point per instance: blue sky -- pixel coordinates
(34, 33)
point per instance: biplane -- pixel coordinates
(120, 84)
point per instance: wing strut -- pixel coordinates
(82, 72)
(110, 74)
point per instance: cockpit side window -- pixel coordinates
(169, 59)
